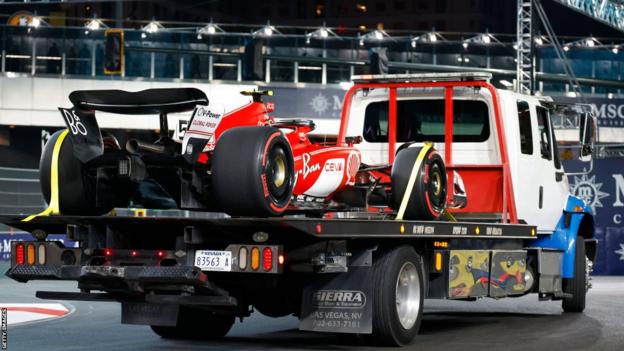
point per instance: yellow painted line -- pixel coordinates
(53, 208)
(412, 180)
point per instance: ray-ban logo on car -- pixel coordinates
(339, 298)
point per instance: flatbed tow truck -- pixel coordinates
(367, 270)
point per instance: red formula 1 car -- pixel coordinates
(242, 162)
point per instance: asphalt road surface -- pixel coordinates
(507, 324)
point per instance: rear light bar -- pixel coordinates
(39, 253)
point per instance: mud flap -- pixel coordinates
(142, 313)
(84, 133)
(340, 302)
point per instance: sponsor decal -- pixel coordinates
(339, 298)
(620, 252)
(590, 191)
(204, 122)
(307, 168)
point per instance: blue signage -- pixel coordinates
(603, 190)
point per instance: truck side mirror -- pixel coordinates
(586, 134)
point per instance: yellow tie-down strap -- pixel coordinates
(53, 208)
(412, 180)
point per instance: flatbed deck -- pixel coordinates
(326, 228)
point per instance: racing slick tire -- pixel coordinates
(197, 324)
(427, 200)
(76, 188)
(253, 172)
(577, 285)
(398, 293)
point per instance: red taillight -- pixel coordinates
(267, 259)
(19, 253)
(133, 253)
(319, 228)
(160, 254)
(108, 252)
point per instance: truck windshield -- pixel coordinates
(423, 120)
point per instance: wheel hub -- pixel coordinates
(407, 295)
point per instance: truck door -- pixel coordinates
(552, 186)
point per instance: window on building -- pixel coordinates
(543, 125)
(423, 120)
(526, 133)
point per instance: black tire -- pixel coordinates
(76, 187)
(427, 200)
(197, 324)
(253, 172)
(387, 327)
(577, 286)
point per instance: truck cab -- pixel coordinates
(503, 145)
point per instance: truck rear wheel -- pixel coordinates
(398, 292)
(577, 285)
(253, 172)
(197, 324)
(427, 199)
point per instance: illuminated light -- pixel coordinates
(211, 29)
(477, 230)
(31, 254)
(308, 40)
(19, 254)
(361, 7)
(323, 33)
(539, 41)
(35, 22)
(402, 229)
(280, 259)
(255, 258)
(432, 37)
(267, 259)
(134, 253)
(108, 252)
(515, 46)
(268, 31)
(41, 254)
(361, 42)
(242, 258)
(160, 254)
(610, 96)
(466, 59)
(319, 228)
(532, 231)
(438, 262)
(413, 43)
(590, 42)
(459, 59)
(486, 39)
(615, 50)
(566, 48)
(442, 244)
(143, 35)
(465, 45)
(378, 35)
(199, 36)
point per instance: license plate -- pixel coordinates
(208, 260)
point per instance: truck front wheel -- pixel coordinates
(577, 285)
(398, 291)
(197, 324)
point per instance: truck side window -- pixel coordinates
(423, 120)
(543, 125)
(526, 133)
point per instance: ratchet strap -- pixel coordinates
(412, 180)
(53, 207)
